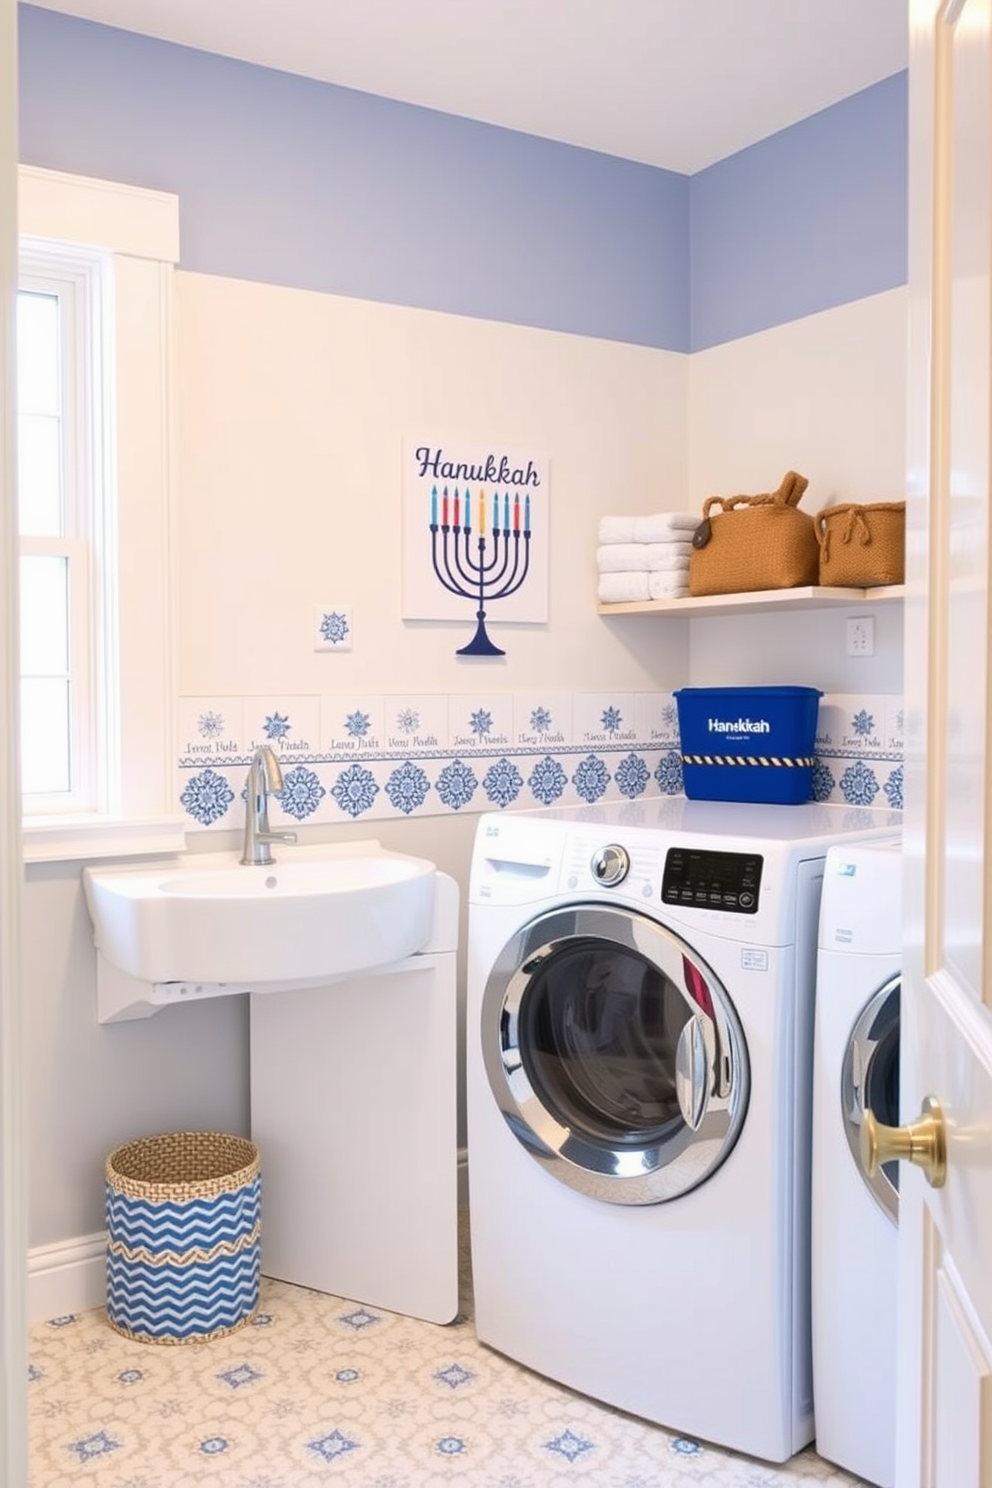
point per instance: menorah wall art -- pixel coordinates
(471, 542)
(463, 564)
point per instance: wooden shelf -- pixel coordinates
(811, 597)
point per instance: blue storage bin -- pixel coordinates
(748, 743)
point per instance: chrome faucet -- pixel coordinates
(264, 775)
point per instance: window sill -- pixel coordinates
(69, 839)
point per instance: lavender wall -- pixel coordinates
(811, 218)
(290, 181)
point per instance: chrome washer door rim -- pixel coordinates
(670, 1160)
(869, 1039)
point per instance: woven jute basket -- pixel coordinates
(183, 1236)
(862, 545)
(746, 543)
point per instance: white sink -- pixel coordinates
(318, 911)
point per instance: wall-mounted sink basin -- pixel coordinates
(319, 911)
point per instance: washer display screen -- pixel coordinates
(712, 880)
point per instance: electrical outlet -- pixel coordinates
(861, 635)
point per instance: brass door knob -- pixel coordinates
(922, 1142)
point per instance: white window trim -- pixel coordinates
(140, 229)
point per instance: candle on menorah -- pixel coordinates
(495, 569)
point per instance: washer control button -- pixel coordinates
(610, 865)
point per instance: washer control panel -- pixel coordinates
(610, 865)
(712, 880)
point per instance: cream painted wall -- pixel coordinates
(825, 396)
(292, 411)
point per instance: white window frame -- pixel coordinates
(138, 233)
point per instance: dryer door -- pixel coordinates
(870, 1082)
(614, 1054)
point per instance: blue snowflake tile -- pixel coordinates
(407, 787)
(502, 783)
(355, 790)
(656, 719)
(332, 628)
(631, 775)
(291, 725)
(479, 722)
(210, 730)
(668, 773)
(590, 778)
(542, 720)
(859, 784)
(547, 781)
(206, 796)
(605, 720)
(863, 723)
(352, 724)
(416, 723)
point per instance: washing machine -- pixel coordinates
(639, 1055)
(856, 1068)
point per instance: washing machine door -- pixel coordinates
(870, 1081)
(615, 1054)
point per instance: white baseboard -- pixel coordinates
(71, 1276)
(67, 1277)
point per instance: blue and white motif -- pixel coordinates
(214, 1446)
(823, 782)
(612, 719)
(357, 724)
(540, 720)
(347, 1376)
(130, 1376)
(210, 725)
(355, 790)
(360, 1318)
(481, 723)
(893, 789)
(450, 1446)
(568, 1445)
(456, 785)
(454, 1376)
(502, 783)
(97, 1445)
(670, 715)
(207, 796)
(408, 721)
(547, 781)
(863, 723)
(334, 627)
(407, 787)
(685, 1447)
(632, 776)
(276, 726)
(244, 1374)
(301, 792)
(858, 784)
(668, 773)
(332, 1446)
(591, 778)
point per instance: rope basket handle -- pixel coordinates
(789, 493)
(856, 524)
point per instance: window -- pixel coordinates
(63, 493)
(94, 367)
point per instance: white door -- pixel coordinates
(945, 1233)
(13, 1224)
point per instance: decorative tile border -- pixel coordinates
(395, 756)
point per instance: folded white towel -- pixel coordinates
(616, 529)
(620, 588)
(668, 585)
(666, 557)
(665, 527)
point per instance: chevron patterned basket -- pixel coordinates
(183, 1236)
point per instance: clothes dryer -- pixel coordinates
(640, 1027)
(854, 1230)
